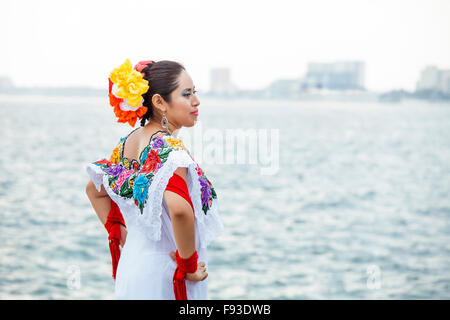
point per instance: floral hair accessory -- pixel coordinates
(142, 64)
(126, 87)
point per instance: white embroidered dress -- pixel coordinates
(145, 268)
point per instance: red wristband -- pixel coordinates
(184, 266)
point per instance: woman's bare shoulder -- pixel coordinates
(136, 141)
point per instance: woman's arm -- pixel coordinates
(101, 202)
(182, 220)
(183, 224)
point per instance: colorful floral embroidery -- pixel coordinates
(158, 142)
(175, 143)
(122, 178)
(207, 190)
(129, 179)
(140, 189)
(115, 156)
(114, 170)
(152, 160)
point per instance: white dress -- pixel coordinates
(145, 269)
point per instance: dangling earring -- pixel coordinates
(164, 122)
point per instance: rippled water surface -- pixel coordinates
(359, 208)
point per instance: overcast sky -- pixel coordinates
(62, 43)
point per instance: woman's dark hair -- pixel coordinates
(162, 79)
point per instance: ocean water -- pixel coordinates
(358, 209)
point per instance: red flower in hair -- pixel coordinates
(142, 64)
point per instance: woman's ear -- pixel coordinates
(158, 103)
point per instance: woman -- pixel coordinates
(151, 195)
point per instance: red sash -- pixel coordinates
(179, 186)
(112, 225)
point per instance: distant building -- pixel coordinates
(285, 88)
(5, 83)
(341, 75)
(432, 78)
(429, 78)
(221, 83)
(445, 81)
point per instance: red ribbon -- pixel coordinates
(112, 225)
(184, 266)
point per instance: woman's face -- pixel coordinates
(184, 103)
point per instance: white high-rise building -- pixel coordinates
(429, 78)
(445, 81)
(5, 83)
(339, 75)
(221, 83)
(433, 78)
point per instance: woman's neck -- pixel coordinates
(154, 127)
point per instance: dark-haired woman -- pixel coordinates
(151, 195)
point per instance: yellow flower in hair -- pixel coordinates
(121, 73)
(132, 88)
(130, 83)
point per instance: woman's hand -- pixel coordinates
(199, 275)
(123, 235)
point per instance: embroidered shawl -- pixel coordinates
(138, 186)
